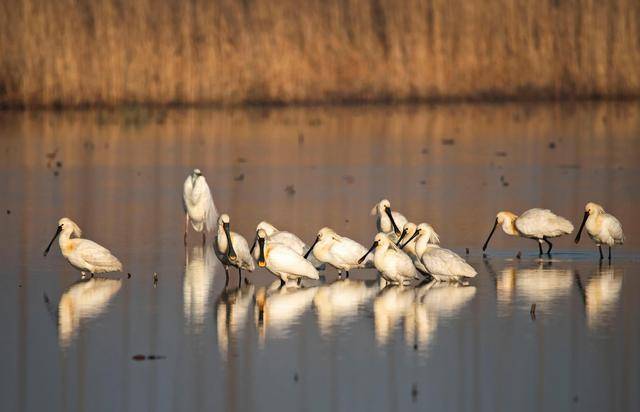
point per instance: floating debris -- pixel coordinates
(296, 378)
(239, 178)
(552, 145)
(448, 142)
(155, 279)
(424, 151)
(242, 160)
(139, 357)
(415, 346)
(290, 189)
(519, 255)
(59, 163)
(52, 155)
(56, 173)
(423, 182)
(414, 392)
(501, 154)
(8, 211)
(128, 275)
(349, 179)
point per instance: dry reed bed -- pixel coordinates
(81, 52)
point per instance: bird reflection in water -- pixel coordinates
(337, 304)
(543, 285)
(232, 315)
(279, 308)
(199, 272)
(600, 295)
(420, 308)
(83, 300)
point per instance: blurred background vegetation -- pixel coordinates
(111, 52)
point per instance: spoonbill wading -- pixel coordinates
(283, 261)
(198, 205)
(232, 249)
(340, 252)
(537, 224)
(602, 227)
(394, 265)
(83, 254)
(285, 238)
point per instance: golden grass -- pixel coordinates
(109, 52)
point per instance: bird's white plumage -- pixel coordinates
(538, 223)
(198, 203)
(393, 264)
(426, 233)
(285, 238)
(602, 227)
(83, 254)
(244, 259)
(444, 264)
(286, 264)
(340, 252)
(383, 223)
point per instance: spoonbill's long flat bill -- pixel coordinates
(83, 254)
(340, 252)
(538, 224)
(602, 227)
(387, 221)
(231, 248)
(198, 205)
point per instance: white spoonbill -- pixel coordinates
(538, 224)
(283, 261)
(83, 254)
(388, 222)
(443, 264)
(394, 265)
(232, 249)
(602, 227)
(340, 252)
(410, 231)
(285, 238)
(198, 205)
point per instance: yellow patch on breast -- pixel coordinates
(69, 248)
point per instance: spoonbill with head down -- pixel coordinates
(231, 248)
(198, 205)
(538, 224)
(443, 264)
(83, 254)
(394, 265)
(340, 252)
(387, 221)
(602, 227)
(411, 232)
(283, 261)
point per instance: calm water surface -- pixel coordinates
(335, 345)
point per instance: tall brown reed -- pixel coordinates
(108, 52)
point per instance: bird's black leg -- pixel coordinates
(346, 274)
(239, 276)
(540, 247)
(204, 238)
(226, 273)
(186, 227)
(609, 254)
(600, 249)
(550, 245)
(282, 282)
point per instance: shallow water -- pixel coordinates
(339, 345)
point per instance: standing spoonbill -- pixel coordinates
(198, 205)
(602, 227)
(394, 265)
(283, 261)
(443, 264)
(232, 249)
(83, 254)
(538, 224)
(424, 231)
(388, 222)
(285, 238)
(340, 252)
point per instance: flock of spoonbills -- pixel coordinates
(401, 251)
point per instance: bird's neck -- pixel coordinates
(509, 227)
